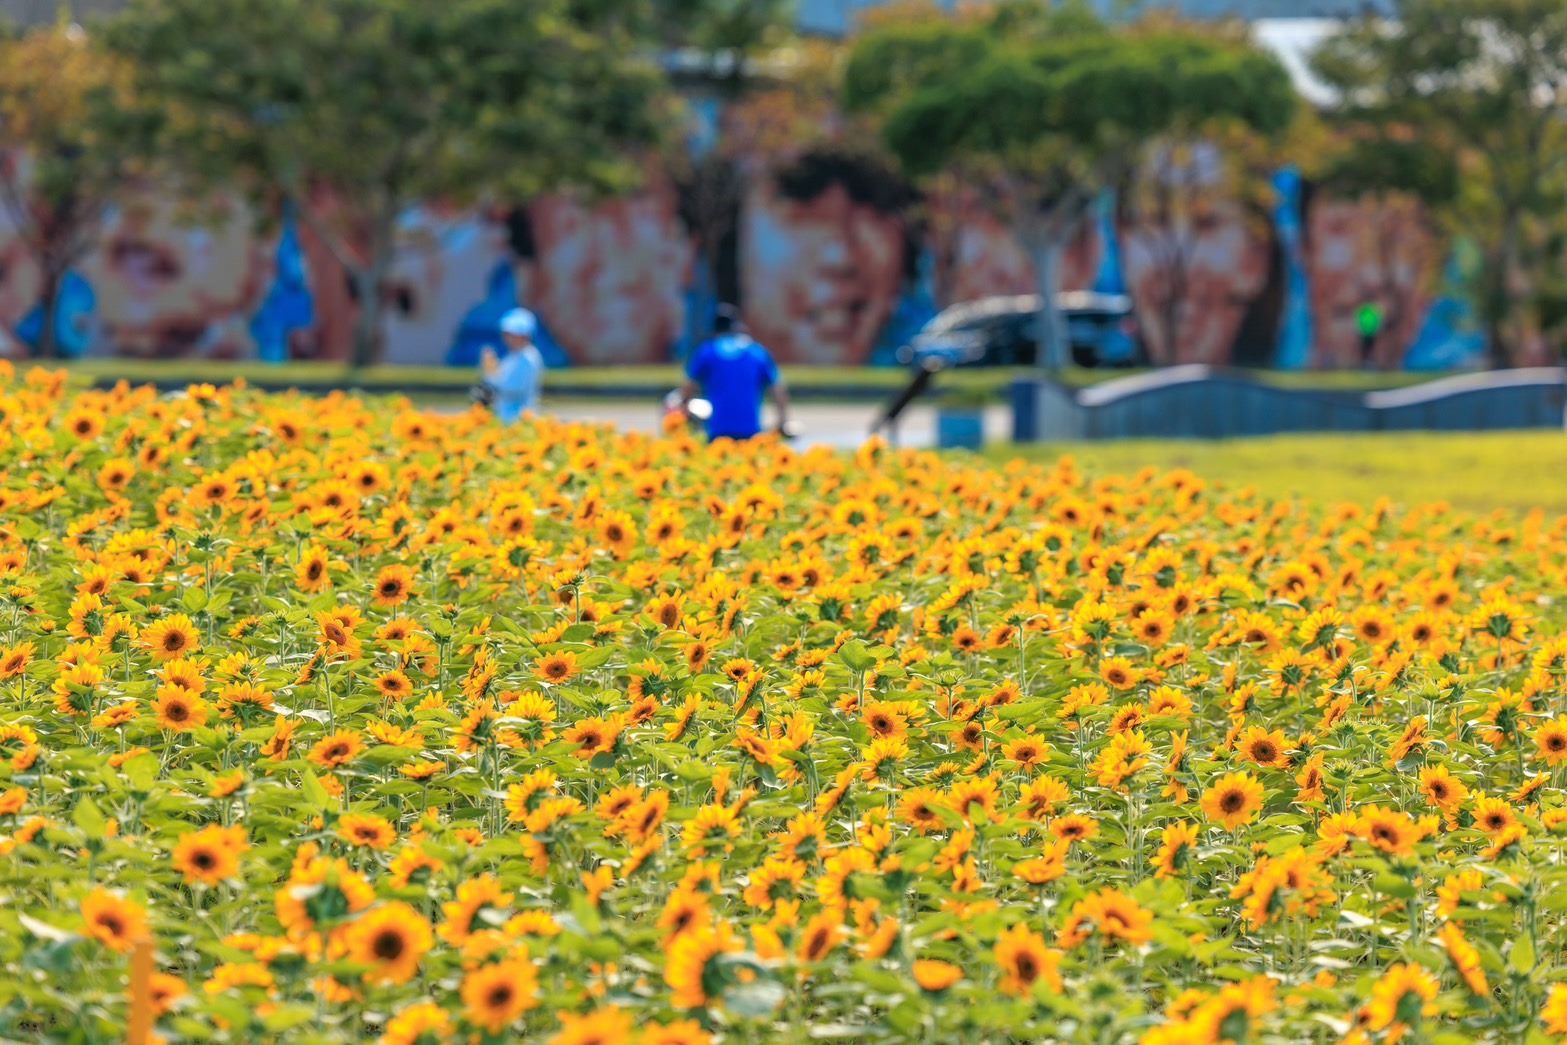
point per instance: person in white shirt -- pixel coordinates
(514, 378)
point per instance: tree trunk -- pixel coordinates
(369, 329)
(1498, 295)
(367, 324)
(49, 302)
(1055, 351)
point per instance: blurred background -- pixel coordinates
(1294, 186)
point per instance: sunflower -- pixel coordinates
(1119, 673)
(211, 855)
(393, 586)
(684, 908)
(1233, 800)
(412, 866)
(475, 895)
(1442, 788)
(1111, 913)
(1268, 749)
(85, 424)
(320, 892)
(389, 939)
(1401, 996)
(337, 749)
(1025, 960)
(820, 935)
(1493, 815)
(1074, 827)
(1554, 1013)
(1176, 844)
(494, 996)
(117, 923)
(14, 659)
(1388, 830)
(934, 976)
(1465, 958)
(366, 830)
(1550, 740)
(610, 1025)
(169, 638)
(178, 710)
(394, 685)
(556, 667)
(689, 966)
(313, 574)
(595, 736)
(420, 1024)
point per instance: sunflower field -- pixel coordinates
(331, 720)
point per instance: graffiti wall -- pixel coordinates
(831, 256)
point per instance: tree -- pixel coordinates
(356, 109)
(1484, 81)
(1048, 106)
(62, 103)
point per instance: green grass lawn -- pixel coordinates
(1481, 472)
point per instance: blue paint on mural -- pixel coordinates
(73, 319)
(1293, 349)
(289, 306)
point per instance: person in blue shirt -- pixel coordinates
(514, 379)
(733, 372)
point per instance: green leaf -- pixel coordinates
(195, 599)
(318, 797)
(89, 818)
(1522, 957)
(856, 656)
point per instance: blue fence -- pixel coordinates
(1200, 402)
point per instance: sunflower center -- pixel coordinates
(204, 860)
(499, 995)
(1027, 968)
(388, 945)
(1232, 802)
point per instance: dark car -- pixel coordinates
(1002, 331)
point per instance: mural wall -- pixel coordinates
(832, 258)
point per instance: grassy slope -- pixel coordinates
(1514, 471)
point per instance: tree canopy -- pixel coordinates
(1055, 104)
(1483, 82)
(355, 109)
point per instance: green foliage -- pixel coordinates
(1053, 105)
(949, 90)
(357, 108)
(1478, 80)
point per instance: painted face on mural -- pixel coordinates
(1360, 251)
(445, 256)
(173, 283)
(1194, 279)
(821, 262)
(609, 279)
(984, 257)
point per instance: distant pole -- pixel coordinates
(138, 1030)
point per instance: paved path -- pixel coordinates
(830, 424)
